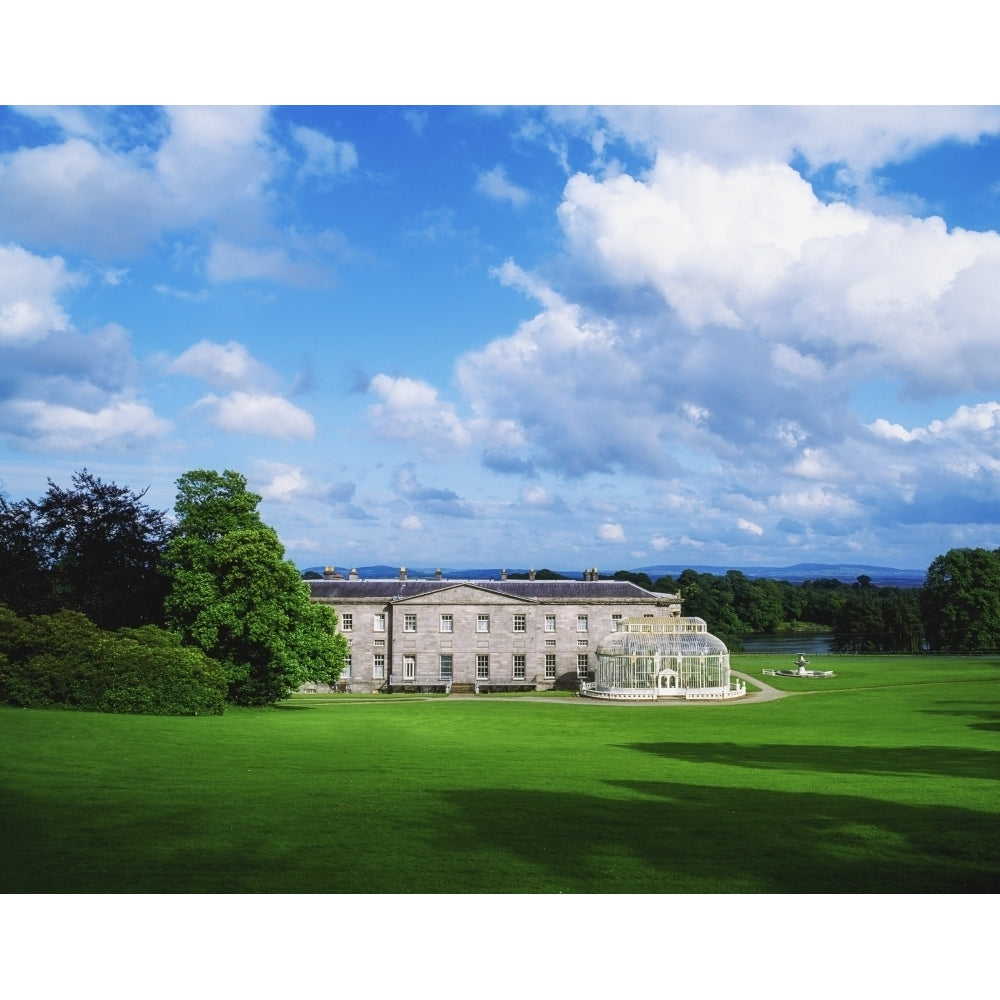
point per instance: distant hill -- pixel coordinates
(881, 576)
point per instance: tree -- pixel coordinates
(94, 548)
(24, 586)
(235, 596)
(960, 601)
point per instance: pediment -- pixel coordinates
(465, 593)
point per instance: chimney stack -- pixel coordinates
(353, 575)
(402, 572)
(437, 573)
(531, 573)
(503, 574)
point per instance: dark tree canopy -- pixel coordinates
(94, 548)
(235, 596)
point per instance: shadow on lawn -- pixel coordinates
(990, 719)
(945, 761)
(672, 837)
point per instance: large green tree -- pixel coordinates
(234, 595)
(961, 601)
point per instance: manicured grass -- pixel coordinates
(883, 779)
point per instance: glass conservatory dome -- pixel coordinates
(662, 658)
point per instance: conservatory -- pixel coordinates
(650, 658)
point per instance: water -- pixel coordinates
(792, 643)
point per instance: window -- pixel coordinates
(581, 642)
(616, 618)
(379, 623)
(483, 667)
(347, 623)
(447, 623)
(550, 623)
(483, 623)
(409, 667)
(550, 666)
(409, 623)
(582, 664)
(519, 666)
(444, 667)
(378, 666)
(581, 623)
(380, 643)
(520, 623)
(346, 675)
(550, 642)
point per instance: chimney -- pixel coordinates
(531, 573)
(402, 572)
(329, 573)
(437, 573)
(503, 574)
(353, 575)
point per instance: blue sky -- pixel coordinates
(517, 336)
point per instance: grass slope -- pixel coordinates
(883, 779)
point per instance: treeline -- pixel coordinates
(956, 610)
(109, 605)
(861, 617)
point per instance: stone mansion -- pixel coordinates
(478, 635)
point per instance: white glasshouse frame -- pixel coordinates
(648, 658)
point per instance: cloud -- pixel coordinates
(494, 184)
(417, 120)
(411, 411)
(251, 405)
(258, 413)
(223, 366)
(611, 531)
(114, 186)
(229, 261)
(507, 464)
(279, 481)
(719, 319)
(535, 496)
(30, 287)
(859, 138)
(749, 526)
(66, 391)
(411, 523)
(325, 158)
(427, 499)
(122, 425)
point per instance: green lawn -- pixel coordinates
(885, 778)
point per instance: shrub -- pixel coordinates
(63, 659)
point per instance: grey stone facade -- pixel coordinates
(479, 634)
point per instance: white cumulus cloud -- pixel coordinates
(122, 425)
(258, 413)
(611, 531)
(224, 366)
(411, 410)
(30, 287)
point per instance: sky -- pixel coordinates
(516, 335)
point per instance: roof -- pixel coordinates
(574, 590)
